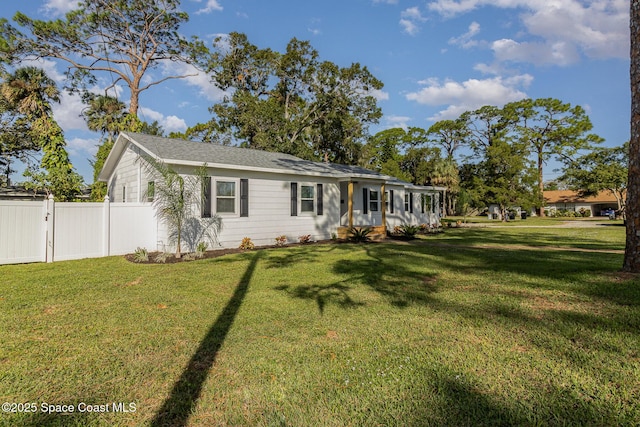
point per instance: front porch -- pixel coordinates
(378, 232)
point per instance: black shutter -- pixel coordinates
(205, 209)
(294, 199)
(365, 201)
(319, 195)
(391, 201)
(411, 202)
(244, 197)
(423, 201)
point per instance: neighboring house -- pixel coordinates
(569, 200)
(262, 195)
(20, 193)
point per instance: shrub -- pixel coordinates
(247, 244)
(201, 249)
(409, 231)
(281, 240)
(305, 238)
(161, 257)
(359, 234)
(141, 255)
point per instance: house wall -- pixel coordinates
(270, 209)
(400, 214)
(128, 184)
(269, 204)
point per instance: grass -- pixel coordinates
(469, 327)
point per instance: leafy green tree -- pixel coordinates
(632, 246)
(177, 200)
(121, 38)
(291, 102)
(601, 169)
(107, 115)
(551, 128)
(30, 92)
(382, 153)
(449, 134)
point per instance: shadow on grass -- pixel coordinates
(333, 293)
(178, 407)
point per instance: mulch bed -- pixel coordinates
(171, 259)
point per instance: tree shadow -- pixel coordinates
(178, 407)
(334, 293)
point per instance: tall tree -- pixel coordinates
(601, 169)
(30, 92)
(632, 248)
(551, 128)
(292, 102)
(382, 153)
(107, 115)
(122, 38)
(449, 134)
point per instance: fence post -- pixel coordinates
(50, 218)
(106, 227)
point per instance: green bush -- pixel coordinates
(141, 255)
(359, 234)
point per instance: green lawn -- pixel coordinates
(468, 327)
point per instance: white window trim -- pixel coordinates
(377, 202)
(214, 197)
(313, 211)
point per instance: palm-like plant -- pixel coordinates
(176, 200)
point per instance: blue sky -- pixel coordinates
(436, 58)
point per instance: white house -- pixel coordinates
(262, 195)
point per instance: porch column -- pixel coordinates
(384, 209)
(350, 204)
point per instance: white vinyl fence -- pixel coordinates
(48, 231)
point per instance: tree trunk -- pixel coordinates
(632, 253)
(540, 185)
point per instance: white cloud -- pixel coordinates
(392, 121)
(410, 19)
(563, 29)
(212, 5)
(68, 112)
(198, 79)
(60, 7)
(79, 146)
(379, 95)
(558, 53)
(168, 123)
(466, 40)
(470, 94)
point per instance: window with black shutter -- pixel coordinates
(205, 209)
(365, 201)
(244, 197)
(294, 199)
(319, 204)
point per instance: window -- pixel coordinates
(307, 198)
(426, 203)
(374, 202)
(406, 202)
(388, 201)
(151, 191)
(311, 199)
(225, 197)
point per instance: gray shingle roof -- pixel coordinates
(178, 151)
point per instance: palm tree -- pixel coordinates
(105, 114)
(30, 92)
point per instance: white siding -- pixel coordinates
(126, 178)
